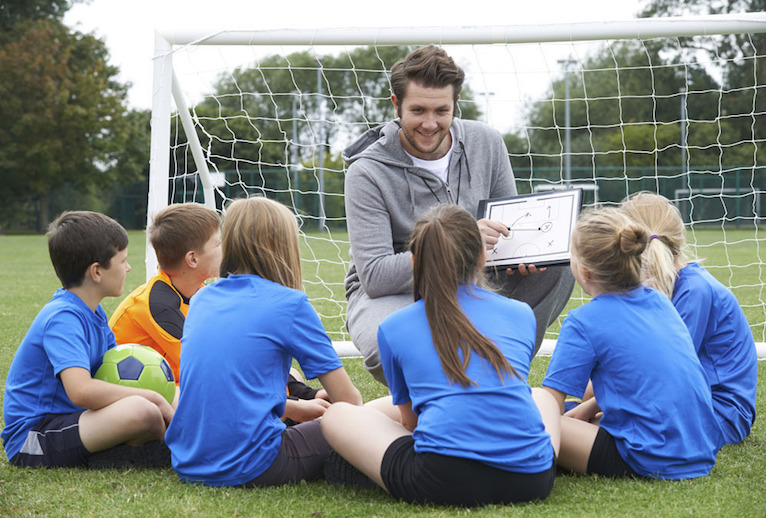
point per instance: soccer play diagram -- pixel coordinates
(539, 225)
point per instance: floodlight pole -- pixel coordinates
(320, 114)
(487, 95)
(567, 123)
(683, 131)
(295, 155)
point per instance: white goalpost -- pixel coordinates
(671, 105)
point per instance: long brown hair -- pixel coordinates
(666, 252)
(260, 236)
(609, 245)
(446, 246)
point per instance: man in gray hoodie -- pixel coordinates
(400, 169)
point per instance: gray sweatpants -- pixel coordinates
(546, 292)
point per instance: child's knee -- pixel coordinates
(143, 414)
(333, 418)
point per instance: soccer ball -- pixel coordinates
(134, 365)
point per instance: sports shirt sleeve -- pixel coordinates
(65, 343)
(165, 323)
(392, 371)
(694, 307)
(572, 362)
(309, 342)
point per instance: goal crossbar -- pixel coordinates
(552, 32)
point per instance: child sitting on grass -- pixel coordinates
(719, 328)
(240, 337)
(187, 240)
(56, 413)
(455, 354)
(657, 412)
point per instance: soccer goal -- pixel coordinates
(671, 105)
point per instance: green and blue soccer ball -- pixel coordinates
(139, 366)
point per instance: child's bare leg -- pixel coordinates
(295, 373)
(385, 405)
(577, 438)
(133, 420)
(361, 435)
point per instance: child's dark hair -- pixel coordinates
(446, 245)
(77, 239)
(607, 243)
(179, 228)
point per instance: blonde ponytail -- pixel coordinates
(665, 254)
(609, 245)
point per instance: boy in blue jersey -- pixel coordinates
(56, 413)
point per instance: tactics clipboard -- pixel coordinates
(540, 227)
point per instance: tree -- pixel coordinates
(248, 120)
(63, 114)
(742, 58)
(13, 12)
(623, 111)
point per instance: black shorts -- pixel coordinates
(301, 457)
(605, 459)
(444, 480)
(53, 442)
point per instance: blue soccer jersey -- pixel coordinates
(495, 421)
(240, 336)
(66, 333)
(725, 347)
(646, 378)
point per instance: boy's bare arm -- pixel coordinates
(92, 394)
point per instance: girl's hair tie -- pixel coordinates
(653, 236)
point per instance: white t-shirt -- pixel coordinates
(440, 166)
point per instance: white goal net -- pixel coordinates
(671, 105)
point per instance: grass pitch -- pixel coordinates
(734, 488)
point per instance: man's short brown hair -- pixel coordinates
(430, 67)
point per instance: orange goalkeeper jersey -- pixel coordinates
(153, 314)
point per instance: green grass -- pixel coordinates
(734, 488)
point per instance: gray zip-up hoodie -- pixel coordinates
(385, 194)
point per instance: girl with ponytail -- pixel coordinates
(656, 412)
(717, 324)
(469, 430)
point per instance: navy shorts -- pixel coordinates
(605, 459)
(301, 456)
(53, 442)
(445, 480)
